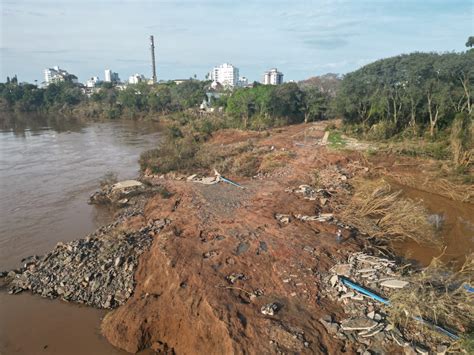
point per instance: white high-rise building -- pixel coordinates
(225, 74)
(93, 82)
(136, 78)
(55, 75)
(110, 76)
(273, 77)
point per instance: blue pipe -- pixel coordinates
(364, 291)
(230, 182)
(376, 297)
(437, 327)
(469, 288)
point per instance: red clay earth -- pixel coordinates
(184, 301)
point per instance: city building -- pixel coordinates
(225, 74)
(243, 81)
(55, 75)
(136, 78)
(273, 77)
(110, 76)
(92, 82)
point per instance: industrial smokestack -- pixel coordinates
(153, 65)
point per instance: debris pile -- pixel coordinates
(97, 270)
(360, 285)
(118, 193)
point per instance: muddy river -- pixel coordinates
(47, 172)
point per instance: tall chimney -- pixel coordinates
(153, 65)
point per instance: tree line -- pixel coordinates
(413, 91)
(139, 98)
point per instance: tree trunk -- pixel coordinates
(433, 117)
(465, 86)
(413, 116)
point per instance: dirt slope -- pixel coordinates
(224, 256)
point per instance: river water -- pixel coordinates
(47, 172)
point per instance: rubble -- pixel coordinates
(97, 270)
(367, 321)
(283, 218)
(208, 180)
(358, 324)
(118, 193)
(394, 283)
(270, 309)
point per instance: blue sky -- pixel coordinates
(300, 38)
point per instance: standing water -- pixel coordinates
(46, 176)
(454, 225)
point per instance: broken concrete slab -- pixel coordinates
(393, 283)
(358, 324)
(342, 269)
(331, 327)
(126, 184)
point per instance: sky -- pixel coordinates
(302, 38)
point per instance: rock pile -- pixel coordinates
(97, 270)
(118, 193)
(367, 322)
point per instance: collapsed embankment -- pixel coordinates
(234, 270)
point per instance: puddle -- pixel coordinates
(455, 227)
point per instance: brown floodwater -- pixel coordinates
(47, 172)
(454, 221)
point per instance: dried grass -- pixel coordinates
(274, 160)
(437, 294)
(439, 186)
(380, 212)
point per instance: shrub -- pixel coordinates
(382, 130)
(275, 160)
(246, 164)
(173, 154)
(461, 140)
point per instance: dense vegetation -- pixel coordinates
(109, 101)
(257, 107)
(407, 95)
(416, 91)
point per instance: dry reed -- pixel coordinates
(382, 213)
(437, 294)
(439, 186)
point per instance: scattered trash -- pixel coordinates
(394, 283)
(270, 309)
(203, 180)
(233, 278)
(283, 218)
(365, 278)
(322, 217)
(211, 180)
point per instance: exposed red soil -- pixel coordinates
(183, 301)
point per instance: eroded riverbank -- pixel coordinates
(231, 269)
(46, 176)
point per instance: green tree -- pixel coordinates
(470, 42)
(315, 104)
